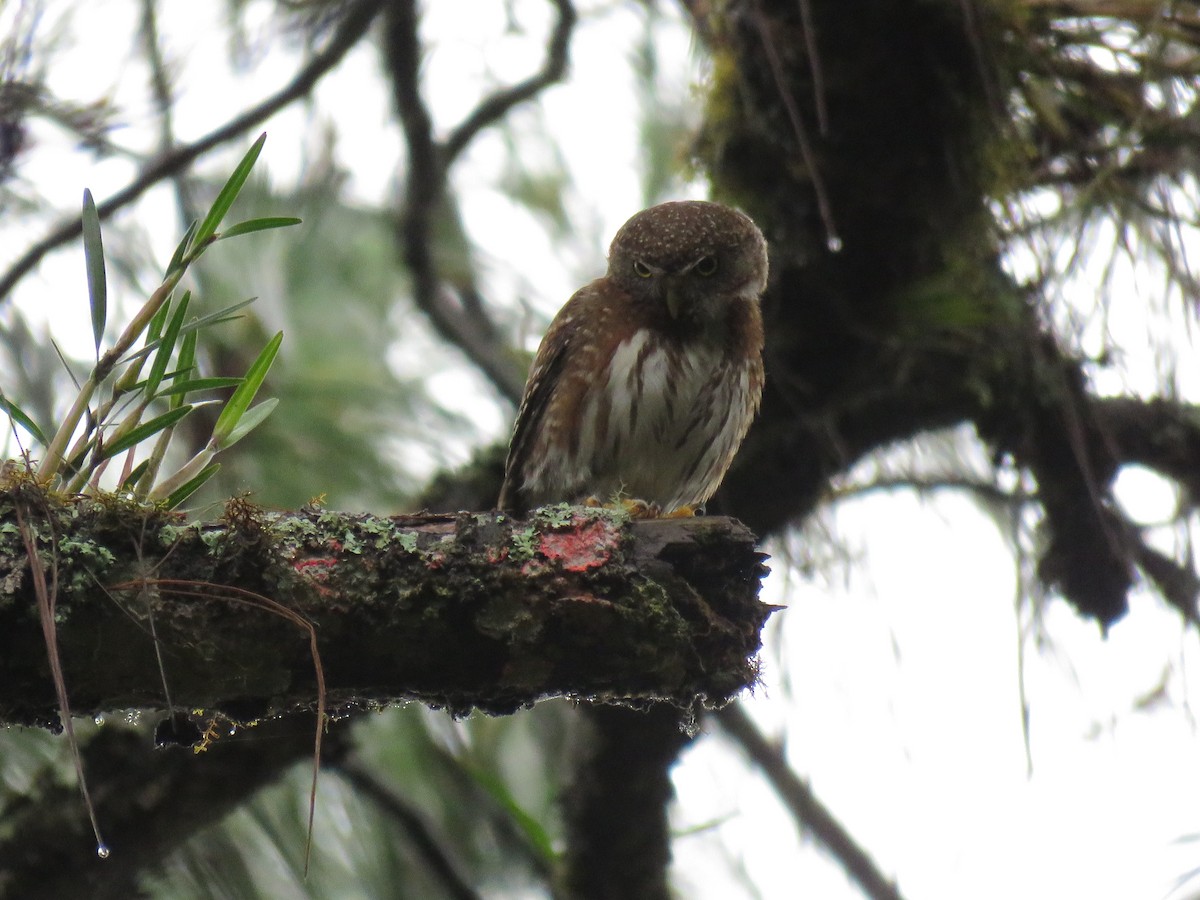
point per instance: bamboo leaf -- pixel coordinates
(180, 251)
(248, 422)
(131, 481)
(244, 395)
(129, 380)
(199, 384)
(186, 366)
(216, 318)
(252, 225)
(147, 429)
(93, 258)
(19, 416)
(184, 491)
(166, 345)
(225, 198)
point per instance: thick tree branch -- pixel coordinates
(618, 839)
(458, 611)
(351, 29)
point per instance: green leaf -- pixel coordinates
(225, 198)
(216, 318)
(186, 366)
(19, 416)
(184, 491)
(251, 420)
(187, 353)
(528, 824)
(252, 225)
(177, 257)
(244, 395)
(199, 384)
(135, 436)
(131, 482)
(138, 358)
(166, 346)
(93, 258)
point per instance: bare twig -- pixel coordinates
(808, 811)
(815, 72)
(352, 28)
(493, 108)
(164, 102)
(458, 315)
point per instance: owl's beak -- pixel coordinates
(674, 297)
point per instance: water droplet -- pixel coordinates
(102, 851)
(834, 243)
(99, 719)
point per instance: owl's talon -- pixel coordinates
(686, 511)
(639, 509)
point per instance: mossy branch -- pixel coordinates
(459, 611)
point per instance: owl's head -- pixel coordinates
(690, 258)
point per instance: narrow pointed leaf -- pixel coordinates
(93, 257)
(166, 345)
(177, 257)
(19, 416)
(244, 395)
(248, 422)
(252, 225)
(228, 194)
(187, 353)
(184, 491)
(199, 384)
(137, 359)
(216, 318)
(185, 369)
(129, 483)
(147, 429)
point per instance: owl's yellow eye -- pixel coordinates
(640, 269)
(707, 266)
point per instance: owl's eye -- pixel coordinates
(707, 266)
(640, 269)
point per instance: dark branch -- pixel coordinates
(809, 813)
(457, 611)
(150, 800)
(618, 839)
(353, 27)
(459, 316)
(495, 107)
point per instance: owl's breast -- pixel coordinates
(664, 420)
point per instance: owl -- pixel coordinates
(648, 378)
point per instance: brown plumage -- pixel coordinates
(649, 377)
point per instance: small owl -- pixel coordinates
(649, 377)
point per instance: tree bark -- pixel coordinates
(618, 834)
(458, 611)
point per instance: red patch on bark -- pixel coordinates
(586, 546)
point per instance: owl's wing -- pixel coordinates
(545, 376)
